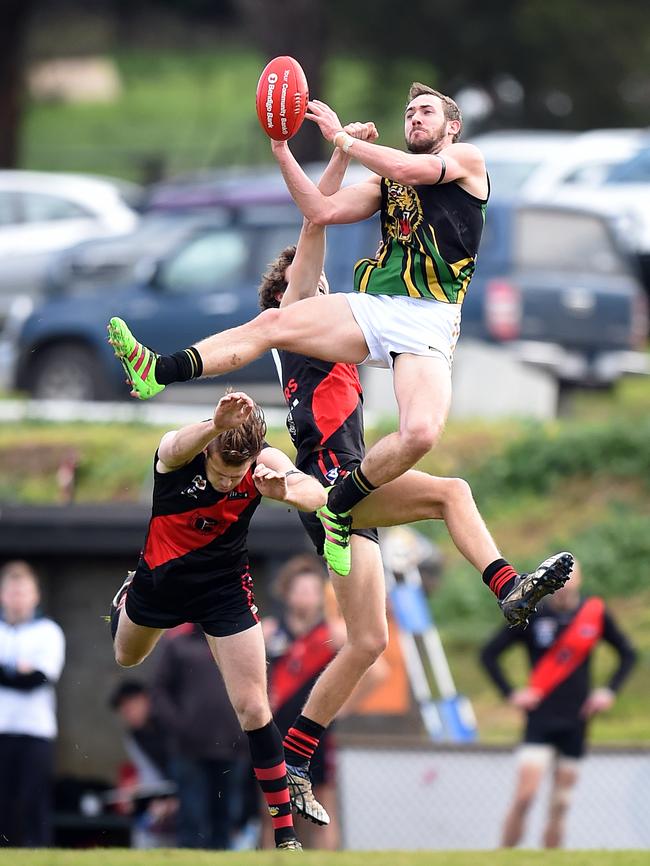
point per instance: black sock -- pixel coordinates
(345, 495)
(500, 577)
(302, 741)
(179, 367)
(268, 765)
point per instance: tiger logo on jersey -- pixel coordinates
(403, 212)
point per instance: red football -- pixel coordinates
(282, 96)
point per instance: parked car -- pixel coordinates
(535, 163)
(42, 212)
(623, 195)
(204, 279)
(551, 286)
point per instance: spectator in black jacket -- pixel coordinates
(32, 650)
(558, 700)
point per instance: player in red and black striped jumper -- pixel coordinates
(558, 700)
(208, 481)
(325, 421)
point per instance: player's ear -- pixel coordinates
(453, 127)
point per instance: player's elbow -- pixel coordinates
(310, 228)
(321, 218)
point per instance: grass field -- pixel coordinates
(118, 857)
(183, 111)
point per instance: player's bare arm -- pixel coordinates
(349, 205)
(179, 447)
(459, 162)
(276, 477)
(305, 274)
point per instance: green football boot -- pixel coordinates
(138, 361)
(337, 539)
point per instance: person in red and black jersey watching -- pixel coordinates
(558, 700)
(208, 481)
(325, 422)
(300, 643)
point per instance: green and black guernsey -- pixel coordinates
(430, 238)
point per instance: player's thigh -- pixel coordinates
(361, 595)
(323, 327)
(242, 661)
(134, 642)
(413, 496)
(533, 761)
(423, 390)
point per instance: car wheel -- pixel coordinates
(68, 372)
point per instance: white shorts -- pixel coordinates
(396, 324)
(542, 756)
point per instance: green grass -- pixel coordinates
(192, 110)
(118, 857)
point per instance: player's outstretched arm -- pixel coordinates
(276, 477)
(307, 266)
(459, 161)
(179, 447)
(349, 205)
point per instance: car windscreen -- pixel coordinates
(635, 170)
(559, 240)
(508, 176)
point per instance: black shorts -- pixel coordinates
(223, 606)
(327, 467)
(568, 738)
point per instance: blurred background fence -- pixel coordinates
(433, 797)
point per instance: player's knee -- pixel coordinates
(371, 644)
(419, 438)
(268, 324)
(523, 801)
(457, 491)
(252, 710)
(126, 659)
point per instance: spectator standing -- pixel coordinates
(558, 701)
(32, 651)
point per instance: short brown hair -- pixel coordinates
(303, 563)
(273, 280)
(449, 107)
(242, 443)
(17, 569)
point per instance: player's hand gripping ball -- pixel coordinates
(282, 96)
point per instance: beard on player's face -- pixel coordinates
(420, 140)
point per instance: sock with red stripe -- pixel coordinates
(271, 773)
(302, 741)
(500, 577)
(179, 367)
(347, 493)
